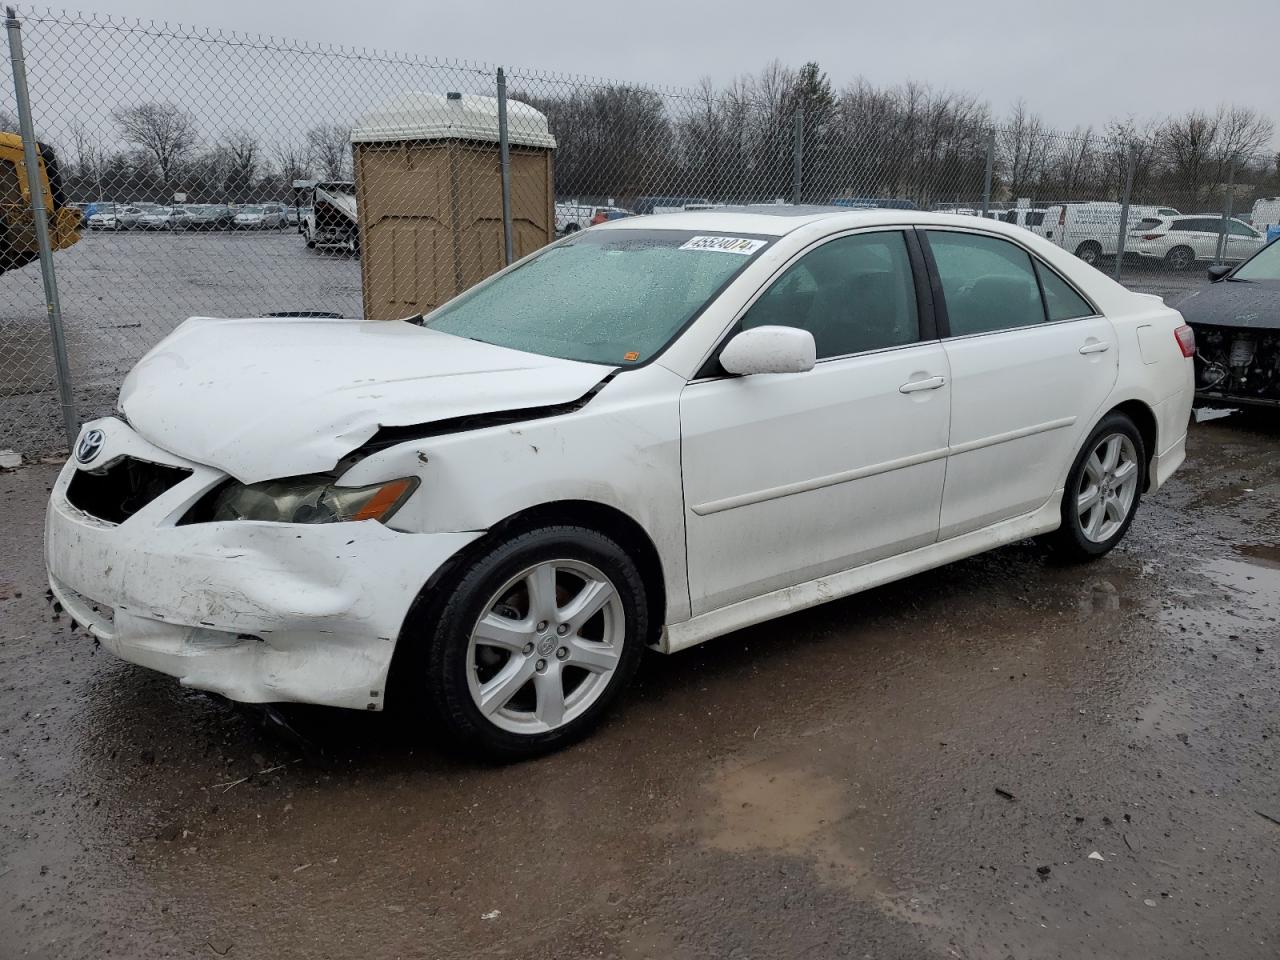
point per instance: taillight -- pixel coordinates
(1186, 338)
(1152, 236)
(1062, 215)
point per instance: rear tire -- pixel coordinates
(1102, 492)
(506, 665)
(1090, 252)
(1180, 259)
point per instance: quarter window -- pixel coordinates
(853, 294)
(1061, 302)
(988, 283)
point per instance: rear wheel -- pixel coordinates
(1090, 252)
(1180, 258)
(1103, 490)
(536, 640)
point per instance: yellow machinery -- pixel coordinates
(17, 223)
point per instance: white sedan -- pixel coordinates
(648, 434)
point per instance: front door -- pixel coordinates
(789, 477)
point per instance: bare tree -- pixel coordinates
(241, 158)
(292, 163)
(85, 176)
(329, 147)
(165, 132)
(1023, 147)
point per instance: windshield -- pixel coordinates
(1265, 265)
(603, 296)
(252, 210)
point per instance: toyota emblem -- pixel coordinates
(90, 445)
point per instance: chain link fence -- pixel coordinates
(224, 175)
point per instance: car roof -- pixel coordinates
(780, 219)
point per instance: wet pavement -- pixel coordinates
(1002, 758)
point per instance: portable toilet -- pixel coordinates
(429, 195)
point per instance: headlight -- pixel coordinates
(313, 499)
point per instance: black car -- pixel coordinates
(1236, 318)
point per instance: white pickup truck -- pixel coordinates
(332, 221)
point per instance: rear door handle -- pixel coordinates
(915, 386)
(1096, 346)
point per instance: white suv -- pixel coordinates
(1181, 241)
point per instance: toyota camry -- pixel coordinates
(648, 434)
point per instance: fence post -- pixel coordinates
(1130, 169)
(1220, 251)
(53, 306)
(504, 153)
(986, 179)
(797, 157)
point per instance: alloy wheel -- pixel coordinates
(546, 646)
(1108, 487)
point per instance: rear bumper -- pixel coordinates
(1172, 418)
(258, 612)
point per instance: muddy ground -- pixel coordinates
(1004, 758)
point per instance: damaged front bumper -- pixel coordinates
(258, 612)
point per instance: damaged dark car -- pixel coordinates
(1236, 318)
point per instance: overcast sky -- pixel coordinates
(1077, 62)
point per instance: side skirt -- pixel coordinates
(744, 613)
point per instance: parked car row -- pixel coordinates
(1153, 234)
(189, 216)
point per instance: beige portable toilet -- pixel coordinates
(429, 194)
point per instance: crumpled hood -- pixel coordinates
(278, 397)
(1228, 304)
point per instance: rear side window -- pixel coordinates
(1061, 302)
(853, 294)
(988, 283)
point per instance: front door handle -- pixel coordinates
(915, 386)
(1095, 346)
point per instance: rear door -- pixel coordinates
(789, 477)
(1031, 364)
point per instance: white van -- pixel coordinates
(1266, 213)
(1092, 230)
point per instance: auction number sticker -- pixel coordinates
(739, 245)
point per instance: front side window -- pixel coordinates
(602, 296)
(1238, 229)
(854, 294)
(988, 283)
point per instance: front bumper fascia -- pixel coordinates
(258, 612)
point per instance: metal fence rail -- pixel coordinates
(190, 151)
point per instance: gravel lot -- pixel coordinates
(1000, 759)
(122, 292)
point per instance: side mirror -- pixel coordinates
(1218, 271)
(769, 350)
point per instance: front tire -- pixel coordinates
(536, 640)
(1102, 491)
